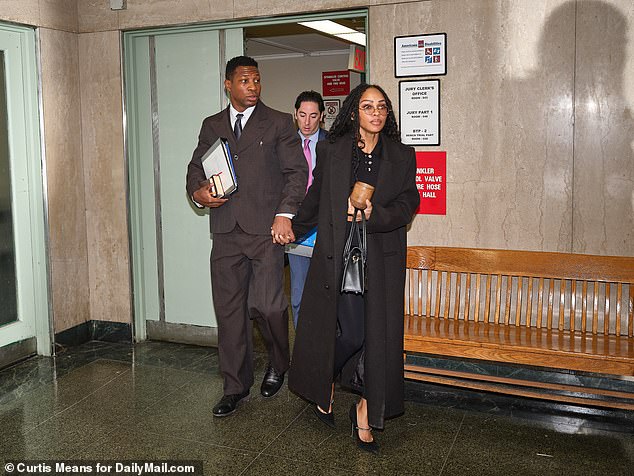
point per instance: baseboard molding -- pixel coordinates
(95, 330)
(122, 333)
(73, 336)
(12, 353)
(111, 331)
(182, 333)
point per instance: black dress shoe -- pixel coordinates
(272, 382)
(369, 446)
(228, 404)
(325, 418)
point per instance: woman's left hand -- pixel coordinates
(368, 210)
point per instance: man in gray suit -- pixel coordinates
(246, 265)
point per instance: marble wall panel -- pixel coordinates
(105, 176)
(66, 199)
(95, 15)
(145, 13)
(20, 11)
(245, 9)
(59, 14)
(506, 119)
(55, 14)
(70, 293)
(604, 129)
(283, 7)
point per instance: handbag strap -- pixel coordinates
(346, 250)
(363, 239)
(361, 234)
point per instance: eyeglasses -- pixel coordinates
(369, 109)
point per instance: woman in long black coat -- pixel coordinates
(364, 144)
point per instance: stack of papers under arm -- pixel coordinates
(303, 246)
(218, 166)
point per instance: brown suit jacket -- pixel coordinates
(270, 168)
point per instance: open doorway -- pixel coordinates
(293, 57)
(173, 80)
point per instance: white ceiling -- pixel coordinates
(293, 45)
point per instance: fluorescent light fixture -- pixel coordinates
(356, 37)
(327, 26)
(335, 29)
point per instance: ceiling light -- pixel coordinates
(327, 26)
(355, 37)
(335, 29)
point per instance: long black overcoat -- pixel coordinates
(394, 202)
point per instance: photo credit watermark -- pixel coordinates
(124, 468)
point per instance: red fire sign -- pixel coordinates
(431, 181)
(335, 83)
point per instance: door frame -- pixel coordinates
(133, 202)
(31, 233)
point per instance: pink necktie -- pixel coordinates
(309, 160)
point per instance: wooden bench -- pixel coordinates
(549, 310)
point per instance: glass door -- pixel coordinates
(24, 315)
(8, 282)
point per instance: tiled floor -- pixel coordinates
(105, 401)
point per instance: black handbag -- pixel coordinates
(354, 258)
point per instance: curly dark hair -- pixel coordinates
(347, 121)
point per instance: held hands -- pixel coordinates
(367, 211)
(282, 231)
(204, 196)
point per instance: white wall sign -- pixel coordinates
(332, 109)
(421, 55)
(419, 111)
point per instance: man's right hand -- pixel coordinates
(204, 197)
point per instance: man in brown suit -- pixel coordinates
(246, 265)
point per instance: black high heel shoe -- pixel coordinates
(326, 418)
(370, 447)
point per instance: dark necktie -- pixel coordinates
(237, 127)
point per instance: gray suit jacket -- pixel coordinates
(270, 168)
